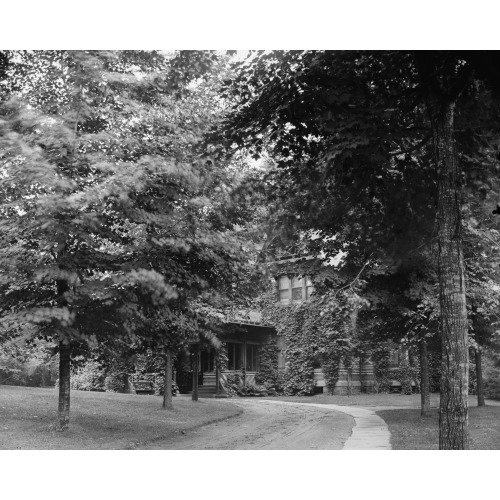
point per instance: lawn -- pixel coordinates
(367, 400)
(410, 431)
(98, 420)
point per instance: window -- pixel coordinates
(252, 358)
(395, 358)
(284, 289)
(309, 288)
(297, 285)
(234, 355)
(296, 289)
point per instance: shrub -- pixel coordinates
(252, 390)
(331, 370)
(38, 368)
(492, 384)
(406, 374)
(159, 385)
(381, 357)
(234, 386)
(269, 375)
(88, 377)
(116, 382)
(13, 376)
(231, 384)
(273, 383)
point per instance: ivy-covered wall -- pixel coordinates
(319, 332)
(333, 330)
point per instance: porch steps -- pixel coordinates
(208, 380)
(205, 391)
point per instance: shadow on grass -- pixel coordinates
(98, 420)
(410, 431)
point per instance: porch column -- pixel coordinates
(244, 362)
(217, 375)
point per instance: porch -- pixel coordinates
(243, 343)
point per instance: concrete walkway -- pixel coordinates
(370, 432)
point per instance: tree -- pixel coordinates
(345, 126)
(63, 183)
(481, 258)
(404, 303)
(105, 211)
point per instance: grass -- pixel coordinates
(126, 421)
(98, 420)
(410, 431)
(362, 399)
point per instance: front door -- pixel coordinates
(207, 362)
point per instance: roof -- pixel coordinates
(245, 317)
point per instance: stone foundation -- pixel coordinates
(356, 382)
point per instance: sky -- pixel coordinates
(261, 24)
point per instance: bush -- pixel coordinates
(13, 376)
(273, 382)
(492, 384)
(252, 390)
(381, 366)
(234, 386)
(36, 370)
(42, 376)
(159, 385)
(231, 384)
(406, 374)
(116, 382)
(331, 370)
(88, 377)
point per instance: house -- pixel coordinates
(248, 340)
(247, 335)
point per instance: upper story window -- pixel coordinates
(284, 289)
(294, 288)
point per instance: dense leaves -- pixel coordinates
(109, 205)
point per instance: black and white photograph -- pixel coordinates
(277, 250)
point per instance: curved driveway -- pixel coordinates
(280, 425)
(370, 431)
(264, 425)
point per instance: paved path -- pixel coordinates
(369, 433)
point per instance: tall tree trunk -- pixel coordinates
(44, 375)
(453, 415)
(64, 385)
(195, 375)
(424, 379)
(167, 391)
(479, 376)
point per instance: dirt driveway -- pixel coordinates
(266, 426)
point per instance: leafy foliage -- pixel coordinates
(269, 373)
(320, 332)
(109, 208)
(88, 377)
